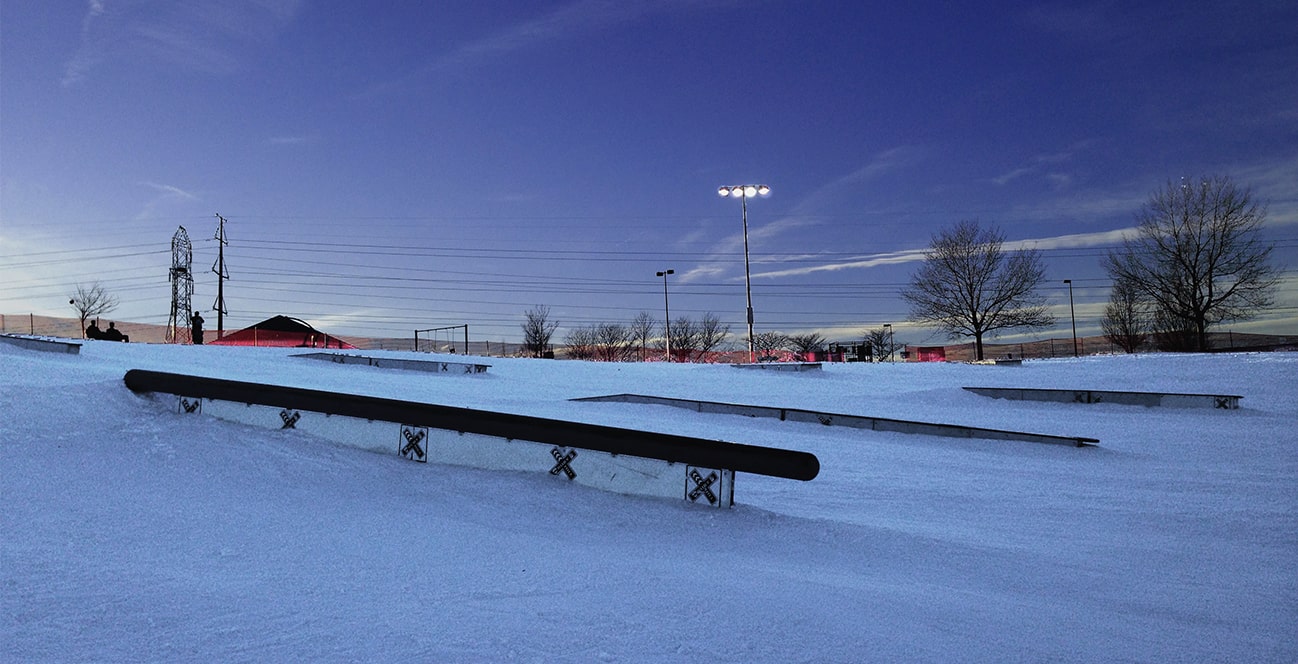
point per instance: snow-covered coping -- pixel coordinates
(432, 366)
(39, 343)
(853, 421)
(1172, 399)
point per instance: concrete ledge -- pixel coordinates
(780, 366)
(853, 421)
(42, 344)
(1149, 399)
(431, 366)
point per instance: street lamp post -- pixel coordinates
(667, 313)
(1073, 314)
(891, 344)
(744, 192)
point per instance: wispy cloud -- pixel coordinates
(166, 195)
(171, 191)
(1073, 241)
(1040, 164)
(1273, 183)
(291, 140)
(721, 258)
(566, 21)
(192, 36)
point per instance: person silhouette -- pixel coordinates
(112, 333)
(196, 329)
(93, 332)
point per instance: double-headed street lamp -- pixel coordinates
(744, 192)
(1073, 313)
(667, 313)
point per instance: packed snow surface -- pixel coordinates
(133, 533)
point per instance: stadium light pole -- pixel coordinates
(888, 327)
(744, 192)
(1073, 314)
(667, 313)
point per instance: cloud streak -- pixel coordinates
(564, 22)
(203, 37)
(722, 255)
(1073, 241)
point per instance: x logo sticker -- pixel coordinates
(412, 449)
(703, 486)
(290, 418)
(187, 406)
(563, 462)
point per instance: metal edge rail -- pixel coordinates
(739, 457)
(1120, 397)
(853, 421)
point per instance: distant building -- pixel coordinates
(281, 332)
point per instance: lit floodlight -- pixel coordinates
(763, 190)
(750, 191)
(723, 191)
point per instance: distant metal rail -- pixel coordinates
(701, 452)
(430, 366)
(853, 421)
(1149, 399)
(41, 344)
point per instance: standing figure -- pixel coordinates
(196, 329)
(92, 332)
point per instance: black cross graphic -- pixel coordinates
(290, 418)
(412, 449)
(563, 462)
(1223, 402)
(187, 406)
(702, 486)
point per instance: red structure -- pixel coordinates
(281, 332)
(928, 353)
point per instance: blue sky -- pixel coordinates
(425, 164)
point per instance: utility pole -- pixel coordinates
(221, 276)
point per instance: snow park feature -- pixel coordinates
(1148, 399)
(854, 421)
(132, 532)
(619, 460)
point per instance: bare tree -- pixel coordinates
(1126, 323)
(802, 344)
(91, 302)
(642, 331)
(1197, 256)
(969, 286)
(712, 332)
(685, 338)
(767, 343)
(1172, 333)
(613, 343)
(882, 343)
(581, 342)
(537, 330)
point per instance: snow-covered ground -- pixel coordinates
(131, 533)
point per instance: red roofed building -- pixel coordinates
(281, 332)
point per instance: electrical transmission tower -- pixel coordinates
(182, 287)
(221, 275)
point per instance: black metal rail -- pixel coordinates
(738, 457)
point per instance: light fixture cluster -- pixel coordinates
(744, 190)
